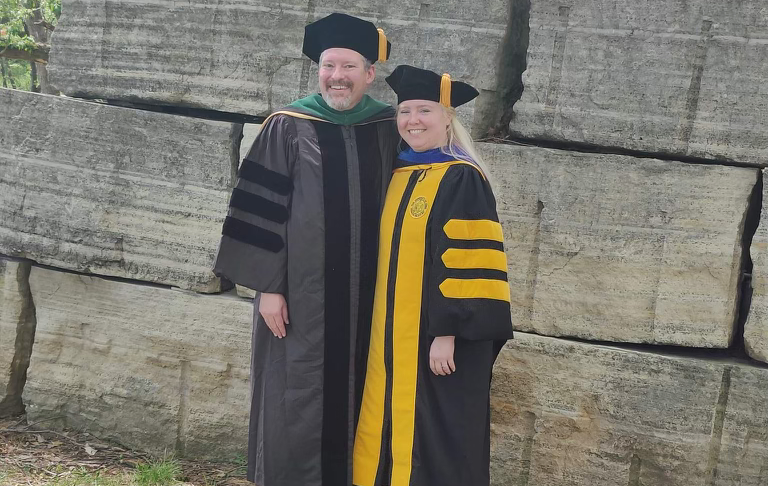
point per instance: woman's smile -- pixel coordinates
(422, 124)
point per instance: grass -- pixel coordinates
(85, 478)
(161, 472)
(42, 458)
(240, 460)
(77, 478)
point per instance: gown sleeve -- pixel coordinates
(252, 251)
(468, 295)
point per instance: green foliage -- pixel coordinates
(161, 472)
(14, 35)
(13, 32)
(13, 13)
(240, 460)
(15, 74)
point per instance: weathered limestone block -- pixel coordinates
(246, 57)
(113, 191)
(250, 132)
(617, 248)
(151, 368)
(17, 331)
(686, 78)
(245, 292)
(743, 450)
(756, 327)
(570, 413)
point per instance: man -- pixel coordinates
(302, 229)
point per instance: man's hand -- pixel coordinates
(274, 310)
(441, 356)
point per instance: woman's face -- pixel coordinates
(423, 124)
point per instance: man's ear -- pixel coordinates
(371, 75)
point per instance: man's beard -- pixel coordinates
(338, 104)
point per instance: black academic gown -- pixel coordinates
(441, 272)
(303, 222)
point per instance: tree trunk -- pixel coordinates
(4, 72)
(33, 85)
(36, 28)
(42, 79)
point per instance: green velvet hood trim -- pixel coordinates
(316, 106)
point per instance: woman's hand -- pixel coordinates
(274, 310)
(441, 356)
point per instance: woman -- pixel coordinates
(441, 310)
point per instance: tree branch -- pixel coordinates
(45, 24)
(39, 54)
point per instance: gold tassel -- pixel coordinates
(382, 46)
(445, 90)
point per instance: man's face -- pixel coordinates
(344, 78)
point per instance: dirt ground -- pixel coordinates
(31, 455)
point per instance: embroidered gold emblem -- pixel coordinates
(419, 207)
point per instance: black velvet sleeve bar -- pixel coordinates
(252, 251)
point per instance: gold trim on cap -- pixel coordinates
(382, 46)
(445, 90)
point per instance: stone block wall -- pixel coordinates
(627, 155)
(568, 413)
(683, 78)
(113, 191)
(150, 367)
(246, 57)
(616, 248)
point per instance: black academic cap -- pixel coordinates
(342, 30)
(412, 83)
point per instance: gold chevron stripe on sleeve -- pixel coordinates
(475, 288)
(477, 258)
(473, 229)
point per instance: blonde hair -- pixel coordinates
(459, 137)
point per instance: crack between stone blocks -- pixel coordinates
(712, 355)
(749, 225)
(12, 403)
(186, 111)
(588, 148)
(112, 278)
(512, 63)
(226, 291)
